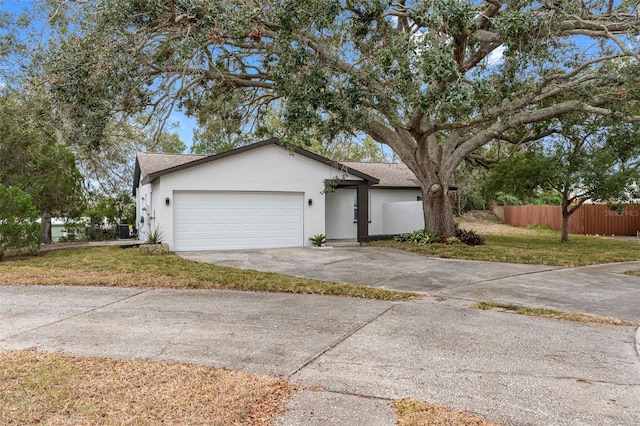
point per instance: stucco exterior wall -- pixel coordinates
(145, 216)
(402, 217)
(339, 215)
(268, 168)
(380, 197)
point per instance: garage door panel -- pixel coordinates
(212, 220)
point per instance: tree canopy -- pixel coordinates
(32, 159)
(434, 80)
(586, 158)
(109, 169)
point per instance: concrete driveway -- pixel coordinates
(599, 290)
(351, 356)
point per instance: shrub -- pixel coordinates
(154, 237)
(448, 240)
(417, 237)
(548, 198)
(470, 237)
(504, 199)
(318, 240)
(422, 237)
(19, 229)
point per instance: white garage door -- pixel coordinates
(237, 220)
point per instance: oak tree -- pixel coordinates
(433, 80)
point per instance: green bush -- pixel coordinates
(548, 198)
(417, 237)
(423, 237)
(19, 229)
(469, 237)
(473, 201)
(504, 199)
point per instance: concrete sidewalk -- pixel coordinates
(361, 353)
(599, 290)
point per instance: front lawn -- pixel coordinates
(532, 246)
(116, 267)
(59, 389)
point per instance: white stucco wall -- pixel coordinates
(380, 197)
(269, 168)
(145, 217)
(339, 215)
(401, 217)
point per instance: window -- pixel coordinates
(355, 209)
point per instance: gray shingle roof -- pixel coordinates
(390, 174)
(151, 162)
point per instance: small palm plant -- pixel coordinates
(318, 240)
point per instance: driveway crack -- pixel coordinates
(339, 341)
(354, 257)
(522, 274)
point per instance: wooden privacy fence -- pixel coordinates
(588, 219)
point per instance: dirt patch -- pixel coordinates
(485, 222)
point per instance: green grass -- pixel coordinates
(634, 272)
(538, 247)
(113, 266)
(548, 313)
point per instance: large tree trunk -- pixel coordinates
(438, 218)
(45, 229)
(432, 162)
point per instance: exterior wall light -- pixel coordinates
(167, 201)
(310, 201)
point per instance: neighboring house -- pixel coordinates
(57, 229)
(265, 195)
(61, 229)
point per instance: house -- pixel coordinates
(266, 195)
(64, 229)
